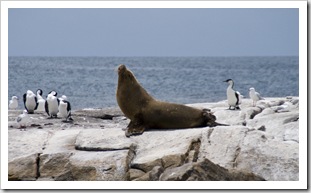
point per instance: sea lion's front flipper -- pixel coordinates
(134, 128)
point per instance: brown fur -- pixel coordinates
(145, 112)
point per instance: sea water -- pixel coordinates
(91, 82)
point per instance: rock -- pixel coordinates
(239, 145)
(266, 111)
(147, 166)
(274, 123)
(135, 173)
(291, 131)
(57, 166)
(85, 166)
(230, 117)
(294, 101)
(107, 166)
(23, 168)
(102, 140)
(173, 160)
(145, 177)
(275, 103)
(268, 158)
(205, 171)
(152, 146)
(181, 173)
(293, 118)
(61, 141)
(221, 145)
(24, 143)
(261, 143)
(250, 112)
(155, 173)
(107, 113)
(262, 128)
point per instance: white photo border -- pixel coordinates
(301, 184)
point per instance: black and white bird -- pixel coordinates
(30, 101)
(51, 104)
(233, 97)
(13, 104)
(255, 96)
(41, 101)
(65, 110)
(22, 119)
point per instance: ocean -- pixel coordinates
(91, 82)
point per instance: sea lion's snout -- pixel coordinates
(121, 68)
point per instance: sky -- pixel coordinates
(153, 32)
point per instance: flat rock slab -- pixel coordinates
(269, 158)
(24, 143)
(85, 166)
(157, 144)
(251, 150)
(108, 166)
(103, 140)
(221, 144)
(23, 168)
(61, 141)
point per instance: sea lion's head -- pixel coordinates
(125, 74)
(121, 69)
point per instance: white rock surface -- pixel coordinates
(262, 141)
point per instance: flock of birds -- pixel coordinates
(52, 105)
(234, 97)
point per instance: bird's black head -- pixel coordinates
(228, 80)
(53, 93)
(39, 92)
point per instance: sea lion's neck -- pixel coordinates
(131, 96)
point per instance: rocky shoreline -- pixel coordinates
(261, 143)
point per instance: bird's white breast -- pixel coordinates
(52, 104)
(30, 101)
(63, 109)
(231, 96)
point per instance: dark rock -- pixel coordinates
(206, 171)
(262, 128)
(135, 173)
(55, 165)
(23, 168)
(155, 173)
(146, 167)
(173, 161)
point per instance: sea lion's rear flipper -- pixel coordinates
(210, 119)
(134, 128)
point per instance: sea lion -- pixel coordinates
(145, 112)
